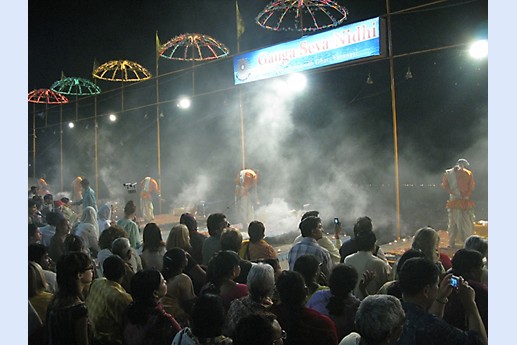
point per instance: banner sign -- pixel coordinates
(346, 43)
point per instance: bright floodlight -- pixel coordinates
(479, 49)
(71, 125)
(184, 103)
(297, 81)
(113, 117)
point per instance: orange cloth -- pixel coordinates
(246, 180)
(465, 186)
(146, 193)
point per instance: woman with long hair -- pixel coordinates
(145, 320)
(67, 314)
(153, 248)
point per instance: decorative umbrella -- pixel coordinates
(193, 47)
(123, 71)
(77, 87)
(301, 15)
(42, 96)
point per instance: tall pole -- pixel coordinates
(34, 141)
(61, 144)
(158, 134)
(394, 112)
(243, 150)
(96, 139)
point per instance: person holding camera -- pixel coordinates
(424, 299)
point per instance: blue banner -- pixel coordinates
(346, 43)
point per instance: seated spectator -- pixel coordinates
(231, 239)
(153, 247)
(56, 247)
(362, 225)
(261, 284)
(364, 261)
(88, 230)
(145, 321)
(39, 297)
(34, 234)
(468, 264)
(424, 299)
(221, 272)
(392, 287)
(259, 329)
(338, 302)
(311, 230)
(74, 243)
(47, 231)
(34, 214)
(104, 217)
(256, 247)
(107, 302)
(215, 223)
(480, 244)
(378, 321)
(196, 238)
(122, 248)
(427, 241)
(129, 225)
(206, 323)
(324, 241)
(39, 254)
(303, 325)
(309, 267)
(67, 316)
(179, 238)
(105, 240)
(67, 211)
(180, 291)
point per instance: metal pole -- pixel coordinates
(34, 141)
(96, 148)
(61, 143)
(243, 149)
(394, 112)
(158, 136)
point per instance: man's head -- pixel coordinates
(53, 218)
(418, 281)
(468, 263)
(462, 162)
(380, 319)
(39, 253)
(215, 224)
(311, 227)
(312, 213)
(34, 190)
(114, 268)
(48, 198)
(190, 221)
(366, 241)
(256, 231)
(85, 183)
(231, 239)
(362, 224)
(121, 247)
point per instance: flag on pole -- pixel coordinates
(158, 45)
(240, 22)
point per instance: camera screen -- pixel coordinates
(454, 282)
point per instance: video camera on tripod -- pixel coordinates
(130, 187)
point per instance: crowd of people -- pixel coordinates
(96, 281)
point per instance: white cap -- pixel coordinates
(463, 162)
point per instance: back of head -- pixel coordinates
(208, 316)
(114, 268)
(129, 208)
(308, 224)
(74, 243)
(67, 268)
(189, 220)
(416, 274)
(121, 247)
(213, 223)
(178, 237)
(85, 183)
(261, 280)
(366, 241)
(426, 239)
(143, 284)
(53, 218)
(362, 224)
(231, 239)
(312, 213)
(307, 265)
(256, 231)
(408, 254)
(152, 237)
(36, 252)
(255, 329)
(342, 280)
(221, 265)
(104, 212)
(466, 262)
(378, 318)
(173, 261)
(291, 288)
(89, 215)
(478, 243)
(109, 235)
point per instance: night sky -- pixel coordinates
(330, 147)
